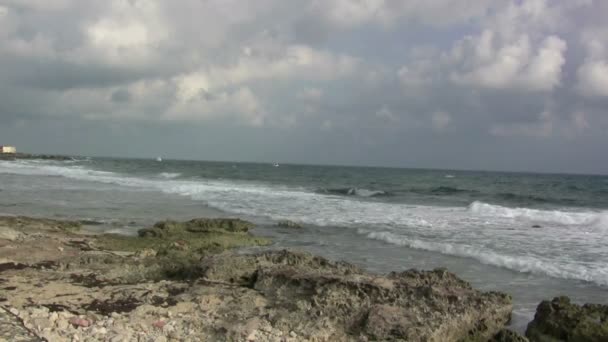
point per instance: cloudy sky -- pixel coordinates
(474, 84)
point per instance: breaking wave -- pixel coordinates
(169, 175)
(587, 218)
(492, 234)
(597, 273)
(354, 192)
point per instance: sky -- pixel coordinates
(518, 85)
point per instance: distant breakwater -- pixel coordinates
(14, 156)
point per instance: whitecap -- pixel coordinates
(593, 272)
(169, 175)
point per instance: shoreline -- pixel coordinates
(61, 284)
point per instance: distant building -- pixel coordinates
(8, 149)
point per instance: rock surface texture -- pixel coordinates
(561, 320)
(180, 281)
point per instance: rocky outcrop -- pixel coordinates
(337, 301)
(168, 228)
(177, 281)
(561, 320)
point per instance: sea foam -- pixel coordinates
(597, 219)
(169, 175)
(569, 245)
(592, 272)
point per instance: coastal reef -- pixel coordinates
(561, 320)
(189, 281)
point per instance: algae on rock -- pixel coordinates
(561, 320)
(175, 248)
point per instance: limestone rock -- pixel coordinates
(561, 320)
(338, 301)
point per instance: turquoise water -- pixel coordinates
(532, 235)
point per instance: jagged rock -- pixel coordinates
(270, 296)
(561, 320)
(288, 224)
(311, 294)
(506, 335)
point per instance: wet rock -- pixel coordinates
(561, 320)
(165, 229)
(288, 224)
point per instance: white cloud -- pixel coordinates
(347, 13)
(241, 104)
(593, 78)
(297, 62)
(593, 72)
(488, 62)
(131, 32)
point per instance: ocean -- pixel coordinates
(534, 236)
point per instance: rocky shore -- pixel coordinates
(188, 281)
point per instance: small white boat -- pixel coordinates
(159, 159)
(276, 165)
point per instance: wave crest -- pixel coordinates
(597, 273)
(169, 175)
(354, 192)
(596, 219)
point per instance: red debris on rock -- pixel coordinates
(80, 322)
(159, 324)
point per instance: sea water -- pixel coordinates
(533, 236)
